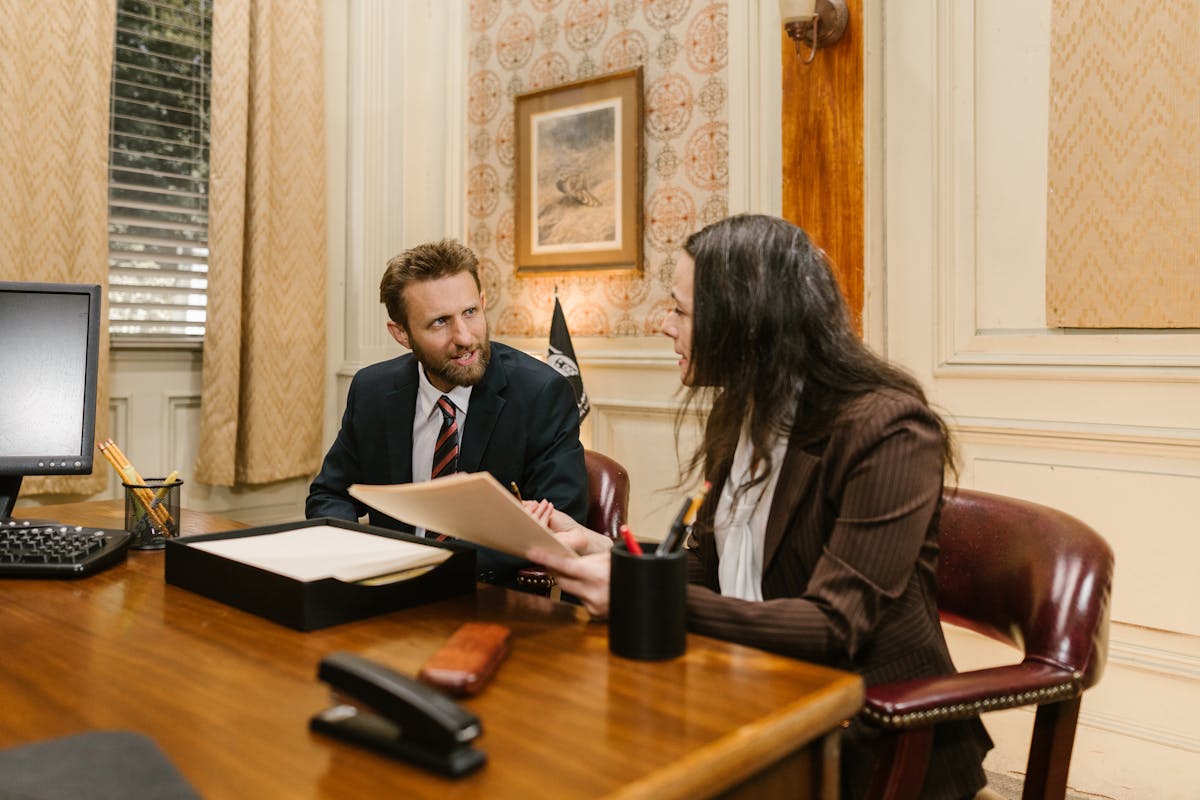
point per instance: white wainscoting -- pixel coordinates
(633, 386)
(1142, 495)
(1102, 424)
(154, 414)
(1136, 736)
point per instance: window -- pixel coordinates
(158, 168)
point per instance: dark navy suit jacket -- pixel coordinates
(522, 426)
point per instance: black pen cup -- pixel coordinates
(152, 513)
(647, 604)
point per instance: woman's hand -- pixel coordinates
(585, 577)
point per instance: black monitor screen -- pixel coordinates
(49, 335)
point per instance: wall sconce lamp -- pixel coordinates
(814, 23)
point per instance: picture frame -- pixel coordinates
(579, 176)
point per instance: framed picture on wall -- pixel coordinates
(579, 176)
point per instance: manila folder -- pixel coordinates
(468, 505)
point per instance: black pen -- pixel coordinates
(675, 531)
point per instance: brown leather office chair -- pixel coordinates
(608, 494)
(608, 509)
(1026, 575)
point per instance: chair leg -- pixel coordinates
(828, 784)
(1050, 750)
(900, 770)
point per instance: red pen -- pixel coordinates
(631, 544)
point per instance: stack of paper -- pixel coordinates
(471, 506)
(323, 551)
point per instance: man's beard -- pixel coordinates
(454, 374)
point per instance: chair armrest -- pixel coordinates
(534, 578)
(922, 702)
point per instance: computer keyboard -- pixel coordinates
(38, 548)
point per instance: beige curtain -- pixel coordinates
(55, 70)
(264, 348)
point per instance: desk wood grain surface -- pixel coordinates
(227, 695)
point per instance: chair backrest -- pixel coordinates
(608, 494)
(1027, 575)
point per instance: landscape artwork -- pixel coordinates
(579, 163)
(577, 185)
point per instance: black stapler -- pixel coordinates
(395, 715)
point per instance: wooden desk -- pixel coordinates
(228, 695)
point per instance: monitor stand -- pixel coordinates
(9, 486)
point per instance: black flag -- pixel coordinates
(561, 356)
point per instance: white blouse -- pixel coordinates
(740, 527)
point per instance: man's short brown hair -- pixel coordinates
(425, 262)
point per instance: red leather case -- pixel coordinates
(467, 660)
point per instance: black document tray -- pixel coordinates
(308, 605)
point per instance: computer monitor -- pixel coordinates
(49, 345)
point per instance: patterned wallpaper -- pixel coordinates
(1123, 215)
(519, 46)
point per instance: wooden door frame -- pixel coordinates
(823, 153)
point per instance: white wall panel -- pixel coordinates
(405, 70)
(1103, 424)
(1121, 504)
(1129, 742)
(641, 438)
(1011, 87)
(154, 412)
(181, 442)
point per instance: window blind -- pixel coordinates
(158, 168)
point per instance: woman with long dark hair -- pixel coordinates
(819, 537)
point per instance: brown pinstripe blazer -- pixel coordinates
(849, 570)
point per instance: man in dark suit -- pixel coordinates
(457, 403)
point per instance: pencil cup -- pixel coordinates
(647, 613)
(152, 513)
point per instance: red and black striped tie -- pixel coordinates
(445, 452)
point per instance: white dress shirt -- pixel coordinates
(739, 528)
(427, 424)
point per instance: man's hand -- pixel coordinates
(571, 533)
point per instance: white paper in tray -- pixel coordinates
(323, 551)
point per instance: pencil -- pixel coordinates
(697, 501)
(161, 494)
(682, 526)
(675, 531)
(129, 475)
(161, 515)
